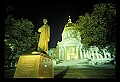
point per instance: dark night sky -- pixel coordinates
(56, 14)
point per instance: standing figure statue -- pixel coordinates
(44, 37)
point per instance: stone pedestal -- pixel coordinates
(35, 66)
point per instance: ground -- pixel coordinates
(85, 73)
(77, 72)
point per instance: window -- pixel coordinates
(99, 57)
(107, 56)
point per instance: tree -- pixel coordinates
(99, 27)
(20, 38)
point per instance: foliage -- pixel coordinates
(20, 38)
(99, 27)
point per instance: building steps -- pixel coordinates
(72, 62)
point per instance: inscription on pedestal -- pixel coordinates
(28, 66)
(34, 66)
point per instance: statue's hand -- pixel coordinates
(48, 39)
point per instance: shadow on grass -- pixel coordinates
(61, 74)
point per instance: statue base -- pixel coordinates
(39, 65)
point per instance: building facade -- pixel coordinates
(71, 48)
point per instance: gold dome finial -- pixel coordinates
(69, 20)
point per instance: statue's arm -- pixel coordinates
(40, 29)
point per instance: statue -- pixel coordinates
(44, 37)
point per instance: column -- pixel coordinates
(81, 57)
(59, 53)
(69, 52)
(97, 54)
(93, 54)
(89, 54)
(109, 55)
(104, 54)
(65, 53)
(74, 53)
(62, 56)
(77, 52)
(85, 54)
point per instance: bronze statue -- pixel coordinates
(44, 37)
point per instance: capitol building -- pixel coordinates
(71, 48)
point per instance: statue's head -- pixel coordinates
(45, 21)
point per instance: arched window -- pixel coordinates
(95, 56)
